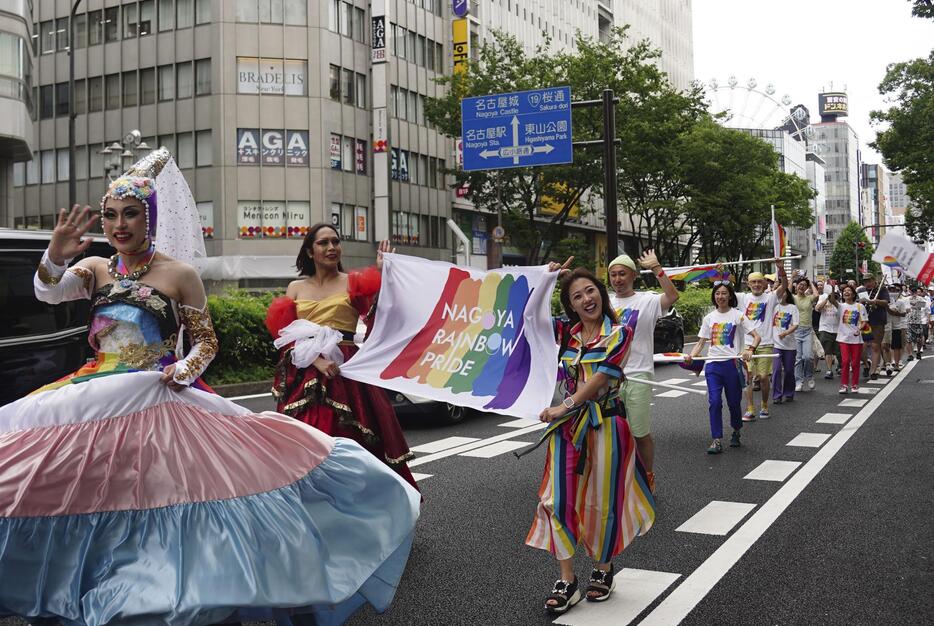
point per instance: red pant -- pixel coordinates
(850, 358)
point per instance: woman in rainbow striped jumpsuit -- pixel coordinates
(594, 490)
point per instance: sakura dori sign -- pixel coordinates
(478, 339)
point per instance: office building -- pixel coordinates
(16, 97)
(668, 25)
(876, 208)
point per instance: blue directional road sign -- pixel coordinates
(522, 129)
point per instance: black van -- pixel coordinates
(39, 342)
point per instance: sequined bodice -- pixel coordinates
(134, 324)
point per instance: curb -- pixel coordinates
(243, 389)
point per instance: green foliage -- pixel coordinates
(245, 350)
(843, 259)
(693, 305)
(922, 8)
(732, 179)
(906, 142)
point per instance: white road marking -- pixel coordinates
(252, 396)
(675, 381)
(702, 383)
(877, 382)
(867, 390)
(673, 393)
(809, 440)
(854, 402)
(443, 444)
(772, 470)
(419, 477)
(500, 447)
(695, 587)
(717, 518)
(519, 423)
(518, 432)
(635, 590)
(834, 418)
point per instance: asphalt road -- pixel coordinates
(845, 538)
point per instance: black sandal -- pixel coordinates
(601, 582)
(565, 594)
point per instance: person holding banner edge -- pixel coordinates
(314, 325)
(639, 311)
(594, 489)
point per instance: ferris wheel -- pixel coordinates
(748, 106)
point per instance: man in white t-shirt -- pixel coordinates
(758, 305)
(639, 311)
(898, 314)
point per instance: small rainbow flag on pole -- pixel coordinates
(692, 273)
(779, 238)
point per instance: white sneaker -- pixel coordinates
(799, 386)
(843, 389)
(811, 384)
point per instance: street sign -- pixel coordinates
(459, 8)
(522, 129)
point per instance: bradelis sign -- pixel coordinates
(272, 76)
(272, 147)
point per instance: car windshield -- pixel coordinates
(20, 312)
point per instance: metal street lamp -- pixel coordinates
(132, 143)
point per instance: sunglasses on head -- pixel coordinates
(718, 283)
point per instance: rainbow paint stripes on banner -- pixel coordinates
(892, 262)
(689, 274)
(473, 341)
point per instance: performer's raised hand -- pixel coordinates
(384, 246)
(66, 238)
(649, 260)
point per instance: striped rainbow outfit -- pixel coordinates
(594, 489)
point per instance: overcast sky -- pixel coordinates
(801, 46)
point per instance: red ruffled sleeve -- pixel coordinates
(363, 285)
(281, 313)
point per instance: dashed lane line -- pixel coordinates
(834, 418)
(809, 440)
(776, 471)
(680, 602)
(855, 402)
(717, 518)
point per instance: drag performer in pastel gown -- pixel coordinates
(314, 326)
(129, 493)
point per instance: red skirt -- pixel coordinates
(343, 408)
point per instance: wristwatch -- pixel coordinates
(569, 402)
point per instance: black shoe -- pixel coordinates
(911, 357)
(734, 439)
(715, 448)
(865, 372)
(566, 594)
(874, 376)
(601, 585)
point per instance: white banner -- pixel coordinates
(272, 76)
(898, 251)
(477, 339)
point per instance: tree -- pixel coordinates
(731, 181)
(650, 117)
(847, 255)
(922, 8)
(906, 142)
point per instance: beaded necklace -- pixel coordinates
(117, 269)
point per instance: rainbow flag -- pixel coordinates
(779, 239)
(892, 262)
(692, 273)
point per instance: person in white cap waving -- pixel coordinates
(639, 311)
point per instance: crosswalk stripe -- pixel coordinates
(635, 590)
(717, 518)
(673, 393)
(777, 471)
(495, 449)
(419, 477)
(675, 381)
(443, 454)
(701, 383)
(834, 418)
(519, 423)
(854, 402)
(809, 440)
(878, 382)
(443, 444)
(867, 390)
